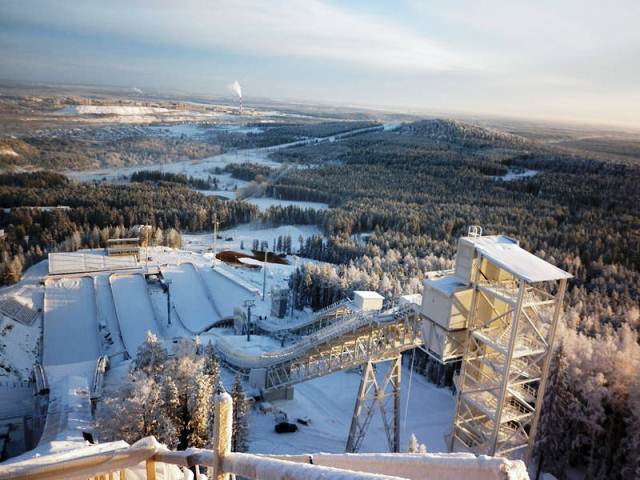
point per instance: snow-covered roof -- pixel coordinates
(368, 294)
(508, 255)
(447, 285)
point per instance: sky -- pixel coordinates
(561, 59)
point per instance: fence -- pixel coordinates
(114, 461)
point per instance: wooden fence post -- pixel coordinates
(222, 431)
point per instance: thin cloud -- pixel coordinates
(280, 28)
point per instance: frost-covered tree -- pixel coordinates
(151, 355)
(240, 438)
(415, 446)
(199, 407)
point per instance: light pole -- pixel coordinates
(249, 304)
(168, 284)
(215, 237)
(264, 278)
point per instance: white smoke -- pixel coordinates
(236, 88)
(136, 90)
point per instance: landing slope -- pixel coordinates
(70, 326)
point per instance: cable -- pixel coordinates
(406, 406)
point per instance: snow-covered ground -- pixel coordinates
(246, 234)
(329, 402)
(516, 174)
(202, 168)
(70, 313)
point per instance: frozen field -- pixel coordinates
(134, 310)
(190, 297)
(70, 326)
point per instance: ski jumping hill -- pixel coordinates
(134, 310)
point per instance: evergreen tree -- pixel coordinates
(240, 438)
(554, 439)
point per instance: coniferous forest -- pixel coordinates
(399, 200)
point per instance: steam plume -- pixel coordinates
(236, 88)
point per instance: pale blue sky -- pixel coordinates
(563, 59)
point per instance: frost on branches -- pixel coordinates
(167, 397)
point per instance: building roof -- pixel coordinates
(508, 255)
(368, 294)
(447, 285)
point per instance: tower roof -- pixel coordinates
(508, 255)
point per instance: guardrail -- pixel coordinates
(116, 460)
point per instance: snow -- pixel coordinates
(447, 285)
(264, 203)
(508, 255)
(516, 174)
(134, 310)
(70, 314)
(107, 314)
(109, 110)
(449, 466)
(247, 232)
(75, 262)
(226, 292)
(329, 402)
(190, 297)
(69, 410)
(18, 349)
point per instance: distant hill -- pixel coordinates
(465, 134)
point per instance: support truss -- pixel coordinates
(374, 394)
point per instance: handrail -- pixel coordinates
(101, 460)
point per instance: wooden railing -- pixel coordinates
(116, 460)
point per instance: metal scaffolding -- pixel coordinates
(511, 327)
(374, 394)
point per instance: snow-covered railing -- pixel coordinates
(98, 376)
(347, 324)
(148, 459)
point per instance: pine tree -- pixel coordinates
(555, 437)
(199, 407)
(240, 438)
(211, 366)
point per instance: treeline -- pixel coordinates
(247, 171)
(94, 213)
(157, 176)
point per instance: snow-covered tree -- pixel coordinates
(240, 438)
(151, 355)
(415, 446)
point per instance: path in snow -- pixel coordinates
(190, 297)
(134, 310)
(70, 326)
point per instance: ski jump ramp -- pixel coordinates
(134, 310)
(70, 324)
(226, 291)
(190, 297)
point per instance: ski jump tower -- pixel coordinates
(514, 304)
